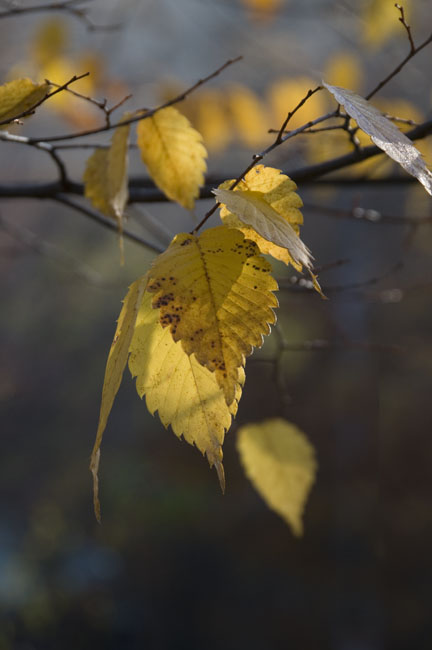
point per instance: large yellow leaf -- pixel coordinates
(185, 393)
(215, 294)
(174, 154)
(117, 359)
(18, 96)
(280, 462)
(278, 191)
(254, 211)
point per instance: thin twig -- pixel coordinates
(146, 114)
(68, 6)
(105, 221)
(407, 27)
(399, 67)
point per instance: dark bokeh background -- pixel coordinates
(176, 565)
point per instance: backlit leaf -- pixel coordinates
(174, 154)
(186, 395)
(253, 210)
(18, 96)
(214, 291)
(384, 134)
(278, 191)
(280, 462)
(117, 359)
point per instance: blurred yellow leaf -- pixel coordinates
(212, 120)
(106, 177)
(280, 462)
(278, 190)
(381, 22)
(262, 9)
(50, 40)
(214, 292)
(174, 155)
(285, 94)
(106, 174)
(116, 363)
(249, 116)
(75, 110)
(186, 395)
(344, 69)
(19, 95)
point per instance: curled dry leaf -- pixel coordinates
(384, 133)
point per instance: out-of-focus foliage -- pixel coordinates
(280, 461)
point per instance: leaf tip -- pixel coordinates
(221, 475)
(94, 468)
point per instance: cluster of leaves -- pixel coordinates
(189, 323)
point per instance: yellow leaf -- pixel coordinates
(214, 293)
(18, 96)
(253, 210)
(174, 154)
(95, 181)
(280, 462)
(278, 191)
(185, 393)
(106, 176)
(249, 117)
(117, 359)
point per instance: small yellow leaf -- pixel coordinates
(18, 96)
(185, 393)
(174, 154)
(278, 191)
(280, 462)
(106, 176)
(117, 359)
(253, 210)
(95, 181)
(215, 294)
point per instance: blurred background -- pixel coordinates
(174, 564)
